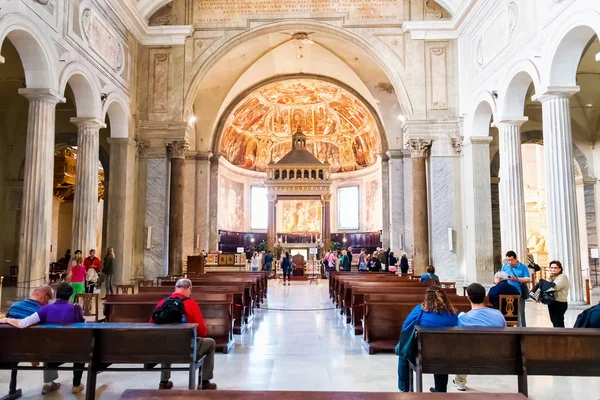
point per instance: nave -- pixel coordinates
(313, 350)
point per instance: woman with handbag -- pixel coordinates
(558, 307)
(436, 311)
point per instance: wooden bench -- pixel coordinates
(217, 312)
(511, 351)
(272, 395)
(214, 279)
(99, 346)
(241, 306)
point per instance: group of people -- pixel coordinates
(84, 274)
(260, 261)
(378, 261)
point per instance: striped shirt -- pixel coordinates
(23, 309)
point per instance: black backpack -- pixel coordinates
(170, 312)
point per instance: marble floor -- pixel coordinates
(312, 350)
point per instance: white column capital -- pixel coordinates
(555, 92)
(510, 122)
(42, 94)
(480, 140)
(88, 122)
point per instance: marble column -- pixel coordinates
(563, 229)
(512, 196)
(419, 149)
(177, 152)
(385, 204)
(85, 203)
(120, 203)
(272, 222)
(479, 243)
(326, 198)
(36, 209)
(213, 241)
(396, 200)
(203, 190)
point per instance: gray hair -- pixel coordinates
(184, 283)
(501, 275)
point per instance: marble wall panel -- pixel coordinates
(159, 75)
(442, 217)
(396, 186)
(156, 212)
(408, 201)
(202, 202)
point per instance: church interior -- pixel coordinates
(290, 192)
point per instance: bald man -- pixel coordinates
(23, 309)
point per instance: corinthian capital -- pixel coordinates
(418, 147)
(178, 149)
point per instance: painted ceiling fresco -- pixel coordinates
(339, 127)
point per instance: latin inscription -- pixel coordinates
(236, 11)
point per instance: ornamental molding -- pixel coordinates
(102, 40)
(419, 147)
(457, 145)
(178, 149)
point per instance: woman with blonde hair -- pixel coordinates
(108, 269)
(436, 311)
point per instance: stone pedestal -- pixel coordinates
(36, 212)
(563, 229)
(85, 204)
(479, 251)
(177, 152)
(512, 196)
(419, 149)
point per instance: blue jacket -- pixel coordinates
(286, 263)
(431, 319)
(501, 288)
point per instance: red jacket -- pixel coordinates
(191, 313)
(92, 263)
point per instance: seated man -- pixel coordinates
(502, 287)
(61, 312)
(480, 315)
(191, 314)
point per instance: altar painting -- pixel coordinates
(299, 216)
(231, 205)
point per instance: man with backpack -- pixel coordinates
(180, 308)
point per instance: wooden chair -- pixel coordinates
(510, 308)
(145, 282)
(125, 289)
(88, 298)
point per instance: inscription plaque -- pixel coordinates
(236, 12)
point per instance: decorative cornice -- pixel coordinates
(86, 122)
(419, 147)
(42, 94)
(555, 92)
(481, 140)
(204, 155)
(178, 148)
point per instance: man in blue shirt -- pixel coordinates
(517, 273)
(480, 315)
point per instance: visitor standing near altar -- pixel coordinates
(255, 262)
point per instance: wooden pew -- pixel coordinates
(264, 278)
(512, 351)
(98, 345)
(217, 311)
(214, 279)
(383, 319)
(357, 305)
(240, 302)
(273, 395)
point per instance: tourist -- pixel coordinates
(61, 312)
(384, 259)
(393, 261)
(404, 264)
(374, 264)
(73, 260)
(430, 277)
(23, 309)
(558, 307)
(519, 277)
(349, 253)
(255, 262)
(502, 287)
(268, 262)
(436, 311)
(345, 261)
(589, 318)
(286, 267)
(362, 261)
(480, 315)
(331, 261)
(108, 269)
(92, 263)
(77, 277)
(205, 346)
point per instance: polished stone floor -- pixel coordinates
(313, 350)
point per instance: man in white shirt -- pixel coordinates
(480, 315)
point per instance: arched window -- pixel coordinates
(292, 174)
(313, 174)
(305, 174)
(284, 174)
(320, 174)
(276, 174)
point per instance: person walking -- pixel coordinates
(558, 308)
(108, 269)
(519, 277)
(77, 277)
(191, 314)
(255, 262)
(404, 264)
(286, 267)
(268, 263)
(480, 315)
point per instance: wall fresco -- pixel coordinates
(231, 205)
(339, 127)
(299, 216)
(373, 204)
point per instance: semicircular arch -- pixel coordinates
(484, 108)
(85, 89)
(514, 86)
(116, 108)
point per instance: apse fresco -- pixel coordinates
(299, 216)
(231, 205)
(373, 216)
(339, 127)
